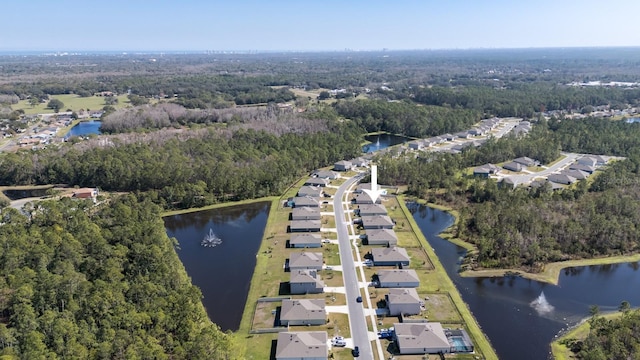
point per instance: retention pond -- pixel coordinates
(521, 317)
(223, 268)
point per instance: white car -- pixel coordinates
(338, 341)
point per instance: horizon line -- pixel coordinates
(263, 51)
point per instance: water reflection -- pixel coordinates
(222, 272)
(382, 141)
(508, 308)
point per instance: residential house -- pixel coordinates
(342, 165)
(477, 131)
(317, 182)
(561, 179)
(308, 201)
(295, 312)
(421, 338)
(398, 278)
(588, 160)
(513, 166)
(377, 222)
(85, 193)
(486, 170)
(304, 226)
(302, 345)
(361, 187)
(313, 191)
(305, 213)
(305, 241)
(371, 209)
(577, 174)
(390, 256)
(305, 281)
(386, 237)
(508, 182)
(403, 302)
(585, 168)
(416, 145)
(463, 135)
(305, 260)
(525, 161)
(360, 162)
(326, 174)
(449, 137)
(364, 198)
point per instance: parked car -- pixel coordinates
(338, 341)
(359, 299)
(355, 352)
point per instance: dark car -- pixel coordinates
(355, 352)
(359, 299)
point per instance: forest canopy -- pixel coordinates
(102, 283)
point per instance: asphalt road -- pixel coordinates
(357, 321)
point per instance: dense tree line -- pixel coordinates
(205, 168)
(406, 118)
(610, 339)
(101, 283)
(524, 99)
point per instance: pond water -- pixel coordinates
(521, 317)
(85, 128)
(223, 272)
(382, 141)
(26, 193)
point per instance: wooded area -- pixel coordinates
(610, 339)
(99, 284)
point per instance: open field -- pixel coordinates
(71, 101)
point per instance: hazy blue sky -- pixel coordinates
(315, 25)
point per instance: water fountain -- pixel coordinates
(211, 240)
(541, 304)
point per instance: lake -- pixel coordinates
(382, 141)
(521, 317)
(85, 128)
(633, 120)
(223, 272)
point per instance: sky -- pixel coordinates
(321, 25)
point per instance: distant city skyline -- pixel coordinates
(330, 25)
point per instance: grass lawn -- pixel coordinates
(551, 272)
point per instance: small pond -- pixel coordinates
(382, 141)
(521, 317)
(85, 128)
(223, 272)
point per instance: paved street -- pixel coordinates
(357, 321)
